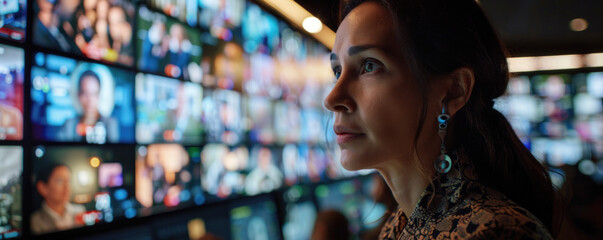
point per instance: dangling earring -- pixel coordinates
(443, 163)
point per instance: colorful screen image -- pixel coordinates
(261, 34)
(100, 30)
(293, 164)
(343, 196)
(168, 176)
(168, 110)
(195, 224)
(73, 182)
(299, 213)
(185, 11)
(254, 218)
(287, 122)
(221, 18)
(11, 182)
(553, 86)
(558, 152)
(260, 112)
(13, 19)
(168, 47)
(75, 101)
(264, 175)
(224, 169)
(226, 65)
(317, 162)
(222, 116)
(313, 125)
(11, 92)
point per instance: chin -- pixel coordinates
(351, 164)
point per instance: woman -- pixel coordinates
(413, 99)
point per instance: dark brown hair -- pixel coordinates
(440, 36)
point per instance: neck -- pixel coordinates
(56, 207)
(406, 181)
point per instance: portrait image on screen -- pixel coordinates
(168, 176)
(11, 92)
(98, 29)
(254, 218)
(11, 185)
(264, 175)
(74, 101)
(13, 19)
(287, 122)
(222, 116)
(168, 47)
(224, 169)
(69, 181)
(168, 110)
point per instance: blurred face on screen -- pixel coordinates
(58, 188)
(375, 101)
(89, 95)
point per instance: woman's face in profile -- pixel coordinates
(89, 95)
(376, 104)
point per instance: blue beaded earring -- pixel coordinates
(443, 163)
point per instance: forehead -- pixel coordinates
(367, 24)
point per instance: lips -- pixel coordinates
(347, 134)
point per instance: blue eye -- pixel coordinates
(370, 66)
(337, 72)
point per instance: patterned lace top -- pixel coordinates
(462, 208)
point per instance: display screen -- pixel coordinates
(254, 218)
(168, 110)
(195, 224)
(76, 101)
(168, 176)
(299, 212)
(13, 19)
(344, 196)
(86, 185)
(224, 169)
(11, 92)
(168, 47)
(11, 185)
(287, 122)
(260, 112)
(222, 116)
(100, 30)
(264, 175)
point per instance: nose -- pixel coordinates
(340, 99)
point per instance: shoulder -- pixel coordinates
(493, 216)
(41, 222)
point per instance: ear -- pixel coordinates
(459, 90)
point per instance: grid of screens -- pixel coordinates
(134, 108)
(124, 109)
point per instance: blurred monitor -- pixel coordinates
(287, 122)
(100, 30)
(343, 196)
(168, 47)
(200, 223)
(293, 165)
(168, 110)
(185, 11)
(168, 176)
(11, 92)
(262, 38)
(263, 80)
(222, 116)
(299, 212)
(313, 125)
(260, 112)
(595, 84)
(224, 170)
(264, 175)
(76, 101)
(316, 162)
(13, 19)
(138, 232)
(221, 19)
(254, 218)
(558, 152)
(519, 85)
(11, 182)
(71, 180)
(553, 86)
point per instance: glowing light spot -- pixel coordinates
(578, 24)
(312, 24)
(94, 162)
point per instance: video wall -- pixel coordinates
(116, 112)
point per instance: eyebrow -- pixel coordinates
(353, 50)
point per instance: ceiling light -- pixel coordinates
(312, 24)
(578, 24)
